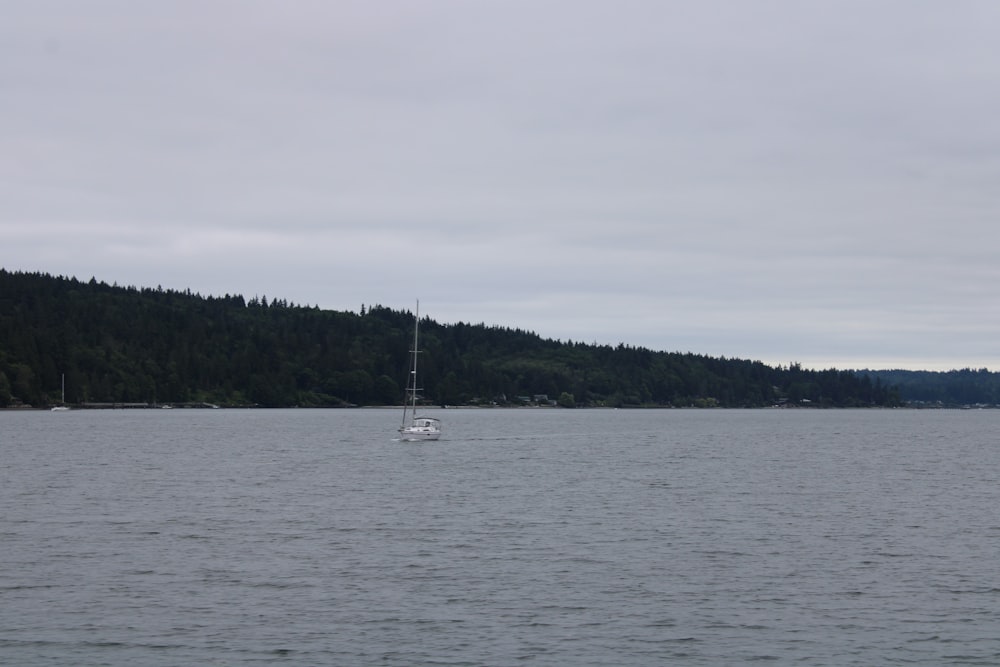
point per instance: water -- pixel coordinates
(524, 537)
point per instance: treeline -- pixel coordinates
(955, 388)
(143, 345)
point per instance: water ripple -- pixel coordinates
(571, 537)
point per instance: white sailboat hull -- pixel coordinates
(413, 435)
(422, 428)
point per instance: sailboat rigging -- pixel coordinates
(62, 406)
(418, 428)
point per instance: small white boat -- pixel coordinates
(418, 428)
(421, 428)
(62, 407)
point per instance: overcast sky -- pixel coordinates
(813, 181)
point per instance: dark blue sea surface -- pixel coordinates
(522, 537)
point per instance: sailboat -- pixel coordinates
(417, 428)
(62, 406)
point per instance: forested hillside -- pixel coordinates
(957, 388)
(143, 345)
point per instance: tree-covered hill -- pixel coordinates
(955, 388)
(141, 345)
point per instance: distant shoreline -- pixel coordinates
(135, 406)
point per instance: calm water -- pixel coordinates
(525, 537)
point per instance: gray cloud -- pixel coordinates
(775, 180)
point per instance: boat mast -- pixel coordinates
(411, 384)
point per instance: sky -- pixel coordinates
(788, 181)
